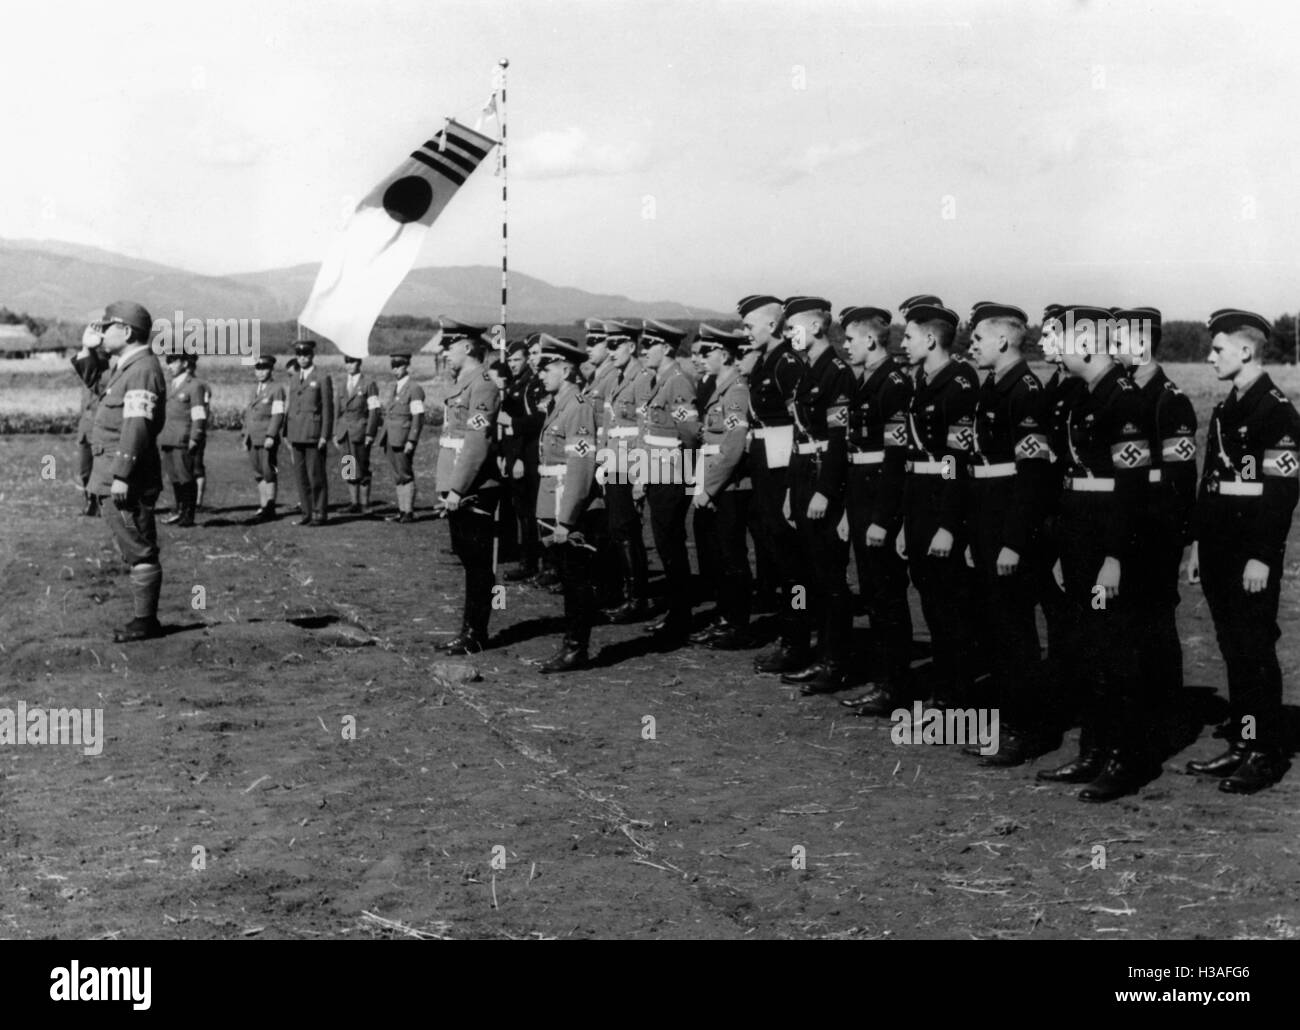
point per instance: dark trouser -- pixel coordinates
(827, 590)
(778, 539)
(704, 533)
(577, 562)
(882, 579)
(507, 524)
(313, 484)
(668, 503)
(178, 465)
(263, 461)
(1246, 627)
(1006, 607)
(1160, 652)
(727, 537)
(132, 524)
(199, 465)
(1112, 701)
(471, 540)
(355, 462)
(627, 537)
(523, 495)
(85, 462)
(944, 586)
(401, 463)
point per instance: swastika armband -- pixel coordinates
(1131, 454)
(1177, 448)
(1282, 463)
(478, 421)
(896, 434)
(837, 416)
(1033, 445)
(581, 448)
(960, 438)
(734, 422)
(139, 404)
(681, 413)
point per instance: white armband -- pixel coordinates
(277, 407)
(198, 413)
(372, 402)
(417, 407)
(139, 404)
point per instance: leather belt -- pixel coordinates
(867, 457)
(663, 441)
(622, 431)
(1236, 488)
(455, 443)
(1000, 470)
(552, 470)
(815, 447)
(928, 468)
(710, 449)
(1089, 484)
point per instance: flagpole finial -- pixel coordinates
(504, 63)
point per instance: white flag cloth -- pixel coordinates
(382, 239)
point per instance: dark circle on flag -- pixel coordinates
(408, 199)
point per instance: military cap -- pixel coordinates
(595, 328)
(1229, 320)
(920, 298)
(399, 360)
(653, 331)
(710, 338)
(991, 309)
(352, 357)
(755, 301)
(1084, 313)
(516, 346)
(129, 314)
(798, 305)
(862, 314)
(931, 313)
(453, 330)
(305, 347)
(558, 348)
(292, 365)
(265, 361)
(620, 330)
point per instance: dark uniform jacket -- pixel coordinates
(1252, 470)
(1171, 427)
(940, 421)
(90, 370)
(309, 414)
(264, 414)
(1106, 439)
(724, 432)
(772, 384)
(129, 418)
(877, 438)
(523, 410)
(1060, 392)
(356, 412)
(187, 413)
(567, 458)
(820, 410)
(467, 447)
(402, 407)
(1011, 453)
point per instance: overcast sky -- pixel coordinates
(1131, 153)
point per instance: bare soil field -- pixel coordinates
(519, 805)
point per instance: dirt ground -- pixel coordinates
(521, 805)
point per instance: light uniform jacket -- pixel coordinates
(467, 449)
(622, 419)
(403, 411)
(309, 413)
(264, 415)
(128, 420)
(356, 410)
(671, 424)
(726, 430)
(567, 453)
(597, 392)
(187, 413)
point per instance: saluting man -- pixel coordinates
(263, 421)
(402, 407)
(356, 424)
(567, 467)
(1105, 488)
(182, 433)
(818, 479)
(1010, 468)
(127, 474)
(91, 365)
(1171, 497)
(723, 489)
(940, 421)
(877, 469)
(468, 483)
(669, 428)
(1243, 514)
(308, 426)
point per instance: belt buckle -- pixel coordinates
(1212, 486)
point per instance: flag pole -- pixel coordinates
(502, 65)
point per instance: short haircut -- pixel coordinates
(1257, 338)
(944, 332)
(875, 323)
(476, 347)
(1013, 327)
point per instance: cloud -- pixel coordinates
(816, 157)
(569, 152)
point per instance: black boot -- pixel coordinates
(1121, 775)
(519, 574)
(818, 678)
(91, 506)
(1087, 766)
(732, 638)
(187, 506)
(784, 657)
(138, 629)
(1221, 765)
(1259, 769)
(1014, 748)
(881, 699)
(469, 642)
(569, 658)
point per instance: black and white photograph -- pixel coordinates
(724, 470)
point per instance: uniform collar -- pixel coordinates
(943, 375)
(566, 391)
(130, 354)
(823, 359)
(781, 348)
(467, 373)
(1152, 380)
(1107, 382)
(729, 375)
(1254, 392)
(1011, 375)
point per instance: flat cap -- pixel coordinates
(755, 301)
(654, 331)
(398, 360)
(931, 313)
(920, 298)
(305, 347)
(557, 348)
(1229, 320)
(129, 313)
(991, 309)
(265, 361)
(862, 313)
(798, 305)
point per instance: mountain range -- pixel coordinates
(54, 279)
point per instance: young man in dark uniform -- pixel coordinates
(356, 423)
(263, 421)
(523, 409)
(308, 426)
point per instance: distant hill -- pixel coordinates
(65, 280)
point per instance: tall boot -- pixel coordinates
(354, 499)
(178, 512)
(91, 506)
(187, 505)
(146, 585)
(365, 498)
(200, 484)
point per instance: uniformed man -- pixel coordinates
(263, 421)
(1105, 487)
(507, 523)
(1243, 513)
(183, 430)
(402, 408)
(722, 489)
(356, 423)
(127, 473)
(91, 365)
(469, 482)
(568, 470)
(308, 426)
(523, 409)
(818, 476)
(703, 518)
(600, 374)
(203, 392)
(1171, 497)
(625, 401)
(772, 383)
(1010, 470)
(940, 419)
(877, 443)
(670, 428)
